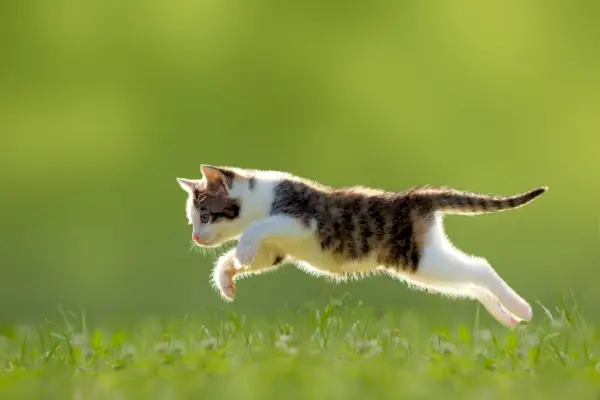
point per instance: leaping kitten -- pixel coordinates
(346, 233)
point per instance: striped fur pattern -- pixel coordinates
(345, 233)
(358, 223)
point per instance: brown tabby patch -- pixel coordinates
(216, 204)
(357, 222)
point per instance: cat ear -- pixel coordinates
(186, 184)
(217, 179)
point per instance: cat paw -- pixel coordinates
(223, 280)
(226, 284)
(228, 292)
(245, 253)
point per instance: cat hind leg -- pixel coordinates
(457, 291)
(442, 263)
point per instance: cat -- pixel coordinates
(346, 233)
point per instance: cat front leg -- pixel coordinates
(223, 274)
(268, 230)
(228, 269)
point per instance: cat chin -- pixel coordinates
(213, 244)
(209, 245)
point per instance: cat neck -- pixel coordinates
(256, 195)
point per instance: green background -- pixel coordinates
(103, 104)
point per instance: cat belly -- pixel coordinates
(310, 257)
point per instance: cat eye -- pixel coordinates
(204, 218)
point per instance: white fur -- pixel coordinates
(276, 230)
(443, 269)
(222, 276)
(444, 264)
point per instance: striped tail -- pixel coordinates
(450, 201)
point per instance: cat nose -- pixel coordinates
(196, 238)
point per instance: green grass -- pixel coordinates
(342, 351)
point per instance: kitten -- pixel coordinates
(346, 233)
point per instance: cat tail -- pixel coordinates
(450, 201)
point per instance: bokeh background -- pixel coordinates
(103, 104)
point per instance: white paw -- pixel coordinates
(509, 319)
(223, 280)
(245, 253)
(227, 290)
(500, 313)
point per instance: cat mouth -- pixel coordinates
(200, 241)
(204, 242)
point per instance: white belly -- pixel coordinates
(307, 254)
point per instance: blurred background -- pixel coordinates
(103, 104)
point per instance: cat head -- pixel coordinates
(214, 204)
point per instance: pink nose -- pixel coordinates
(196, 238)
